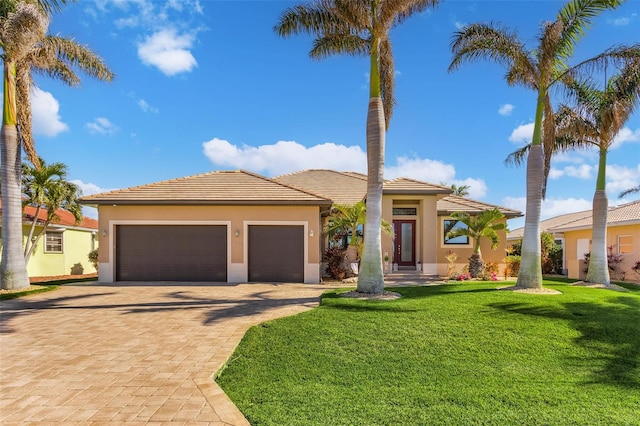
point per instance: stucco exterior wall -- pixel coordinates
(236, 218)
(465, 251)
(76, 247)
(573, 259)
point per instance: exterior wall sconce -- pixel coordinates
(104, 233)
(236, 233)
(311, 233)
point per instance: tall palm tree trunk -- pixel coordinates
(371, 277)
(598, 271)
(530, 275)
(14, 268)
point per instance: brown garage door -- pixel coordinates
(276, 253)
(171, 253)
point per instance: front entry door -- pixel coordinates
(404, 232)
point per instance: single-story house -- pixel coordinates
(238, 226)
(573, 231)
(64, 248)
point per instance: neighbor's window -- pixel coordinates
(53, 242)
(625, 244)
(450, 225)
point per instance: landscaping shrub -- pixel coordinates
(93, 258)
(336, 259)
(512, 266)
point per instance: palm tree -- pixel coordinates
(346, 221)
(485, 224)
(361, 27)
(538, 69)
(597, 118)
(460, 191)
(27, 48)
(46, 188)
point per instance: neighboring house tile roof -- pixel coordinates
(624, 214)
(220, 187)
(453, 203)
(65, 218)
(350, 187)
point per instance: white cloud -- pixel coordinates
(459, 25)
(285, 157)
(90, 188)
(168, 51)
(550, 207)
(522, 134)
(620, 178)
(505, 109)
(623, 21)
(101, 126)
(46, 118)
(289, 156)
(625, 135)
(422, 169)
(144, 105)
(581, 172)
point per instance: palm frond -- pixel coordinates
(576, 16)
(77, 55)
(490, 41)
(21, 30)
(629, 191)
(518, 157)
(333, 44)
(397, 11)
(317, 18)
(612, 58)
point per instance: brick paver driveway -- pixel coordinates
(126, 352)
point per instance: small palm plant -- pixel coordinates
(46, 188)
(485, 225)
(347, 221)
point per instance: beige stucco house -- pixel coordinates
(573, 231)
(238, 226)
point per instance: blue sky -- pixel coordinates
(207, 85)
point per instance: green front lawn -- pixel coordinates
(450, 354)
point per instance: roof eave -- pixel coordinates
(173, 202)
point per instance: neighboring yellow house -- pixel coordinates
(573, 232)
(64, 247)
(238, 226)
(623, 238)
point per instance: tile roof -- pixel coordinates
(453, 203)
(220, 187)
(624, 214)
(65, 218)
(341, 187)
(412, 186)
(350, 187)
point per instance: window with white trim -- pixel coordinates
(625, 244)
(53, 242)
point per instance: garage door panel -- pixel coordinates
(171, 253)
(276, 253)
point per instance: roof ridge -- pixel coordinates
(272, 180)
(147, 185)
(460, 200)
